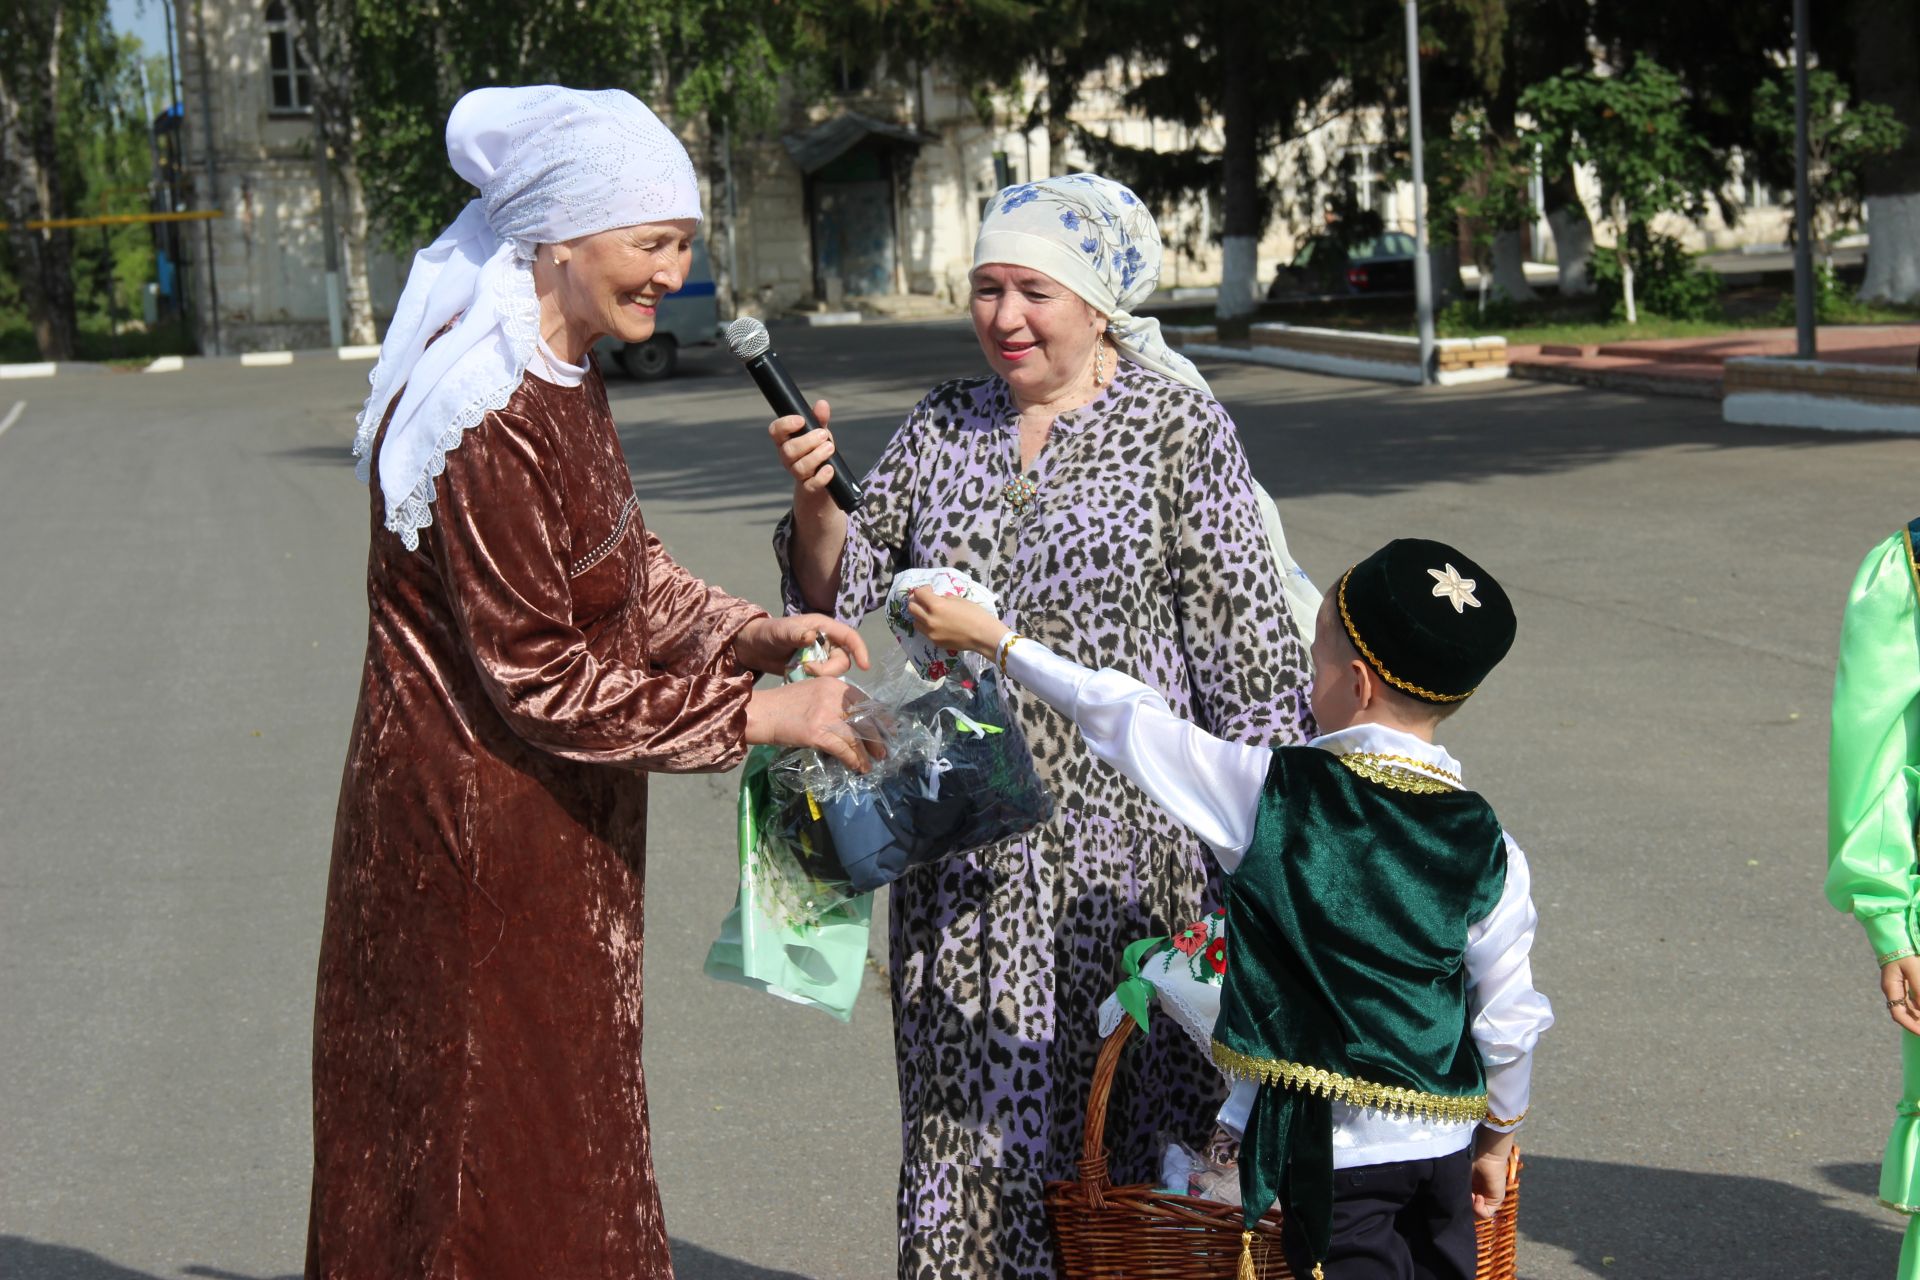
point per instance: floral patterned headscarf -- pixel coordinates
(1095, 237)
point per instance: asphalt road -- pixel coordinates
(181, 587)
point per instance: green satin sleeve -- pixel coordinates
(1873, 766)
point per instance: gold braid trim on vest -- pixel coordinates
(1354, 1092)
(1913, 555)
(1378, 768)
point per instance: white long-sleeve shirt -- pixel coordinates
(1213, 787)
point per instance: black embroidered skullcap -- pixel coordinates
(1428, 620)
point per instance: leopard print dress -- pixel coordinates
(1141, 550)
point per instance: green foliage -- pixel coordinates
(1634, 132)
(739, 64)
(1465, 318)
(1309, 62)
(1481, 175)
(80, 126)
(1667, 281)
(411, 63)
(1843, 138)
(1833, 303)
(103, 139)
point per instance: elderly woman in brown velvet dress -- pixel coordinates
(533, 653)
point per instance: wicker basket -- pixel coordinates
(1106, 1232)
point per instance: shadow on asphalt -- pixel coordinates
(1321, 436)
(1622, 1221)
(691, 1262)
(24, 1259)
(688, 440)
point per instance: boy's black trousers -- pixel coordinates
(1409, 1220)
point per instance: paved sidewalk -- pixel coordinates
(1695, 366)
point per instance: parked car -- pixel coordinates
(689, 316)
(1377, 264)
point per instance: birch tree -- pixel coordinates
(1632, 130)
(36, 44)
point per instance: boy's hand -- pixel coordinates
(1490, 1152)
(1900, 984)
(949, 622)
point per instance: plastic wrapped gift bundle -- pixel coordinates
(956, 775)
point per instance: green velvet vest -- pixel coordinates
(1347, 980)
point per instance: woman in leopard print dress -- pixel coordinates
(1095, 486)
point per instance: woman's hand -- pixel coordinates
(812, 713)
(819, 527)
(1490, 1151)
(949, 622)
(766, 644)
(1900, 984)
(805, 454)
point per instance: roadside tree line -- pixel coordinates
(1668, 106)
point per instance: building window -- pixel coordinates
(852, 77)
(288, 72)
(1364, 177)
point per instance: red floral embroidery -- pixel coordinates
(1217, 955)
(1191, 938)
(936, 670)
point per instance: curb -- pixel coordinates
(1343, 366)
(1820, 413)
(178, 364)
(1612, 380)
(48, 368)
(264, 359)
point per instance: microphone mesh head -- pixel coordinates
(748, 338)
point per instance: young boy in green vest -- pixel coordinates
(1379, 1002)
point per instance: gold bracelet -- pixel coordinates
(1501, 1122)
(1904, 953)
(1007, 642)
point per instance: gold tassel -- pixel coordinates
(1246, 1257)
(1318, 1274)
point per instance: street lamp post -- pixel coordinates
(1422, 268)
(1802, 194)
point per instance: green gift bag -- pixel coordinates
(765, 945)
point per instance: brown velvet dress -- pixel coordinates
(479, 1108)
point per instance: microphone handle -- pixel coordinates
(785, 398)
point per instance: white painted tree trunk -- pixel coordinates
(1626, 284)
(1572, 250)
(1893, 249)
(354, 233)
(1509, 270)
(1239, 265)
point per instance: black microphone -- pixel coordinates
(751, 342)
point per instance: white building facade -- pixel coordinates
(873, 195)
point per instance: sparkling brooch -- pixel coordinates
(1019, 494)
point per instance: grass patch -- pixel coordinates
(1576, 321)
(1550, 319)
(97, 342)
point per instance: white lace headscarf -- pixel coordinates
(551, 164)
(1095, 237)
